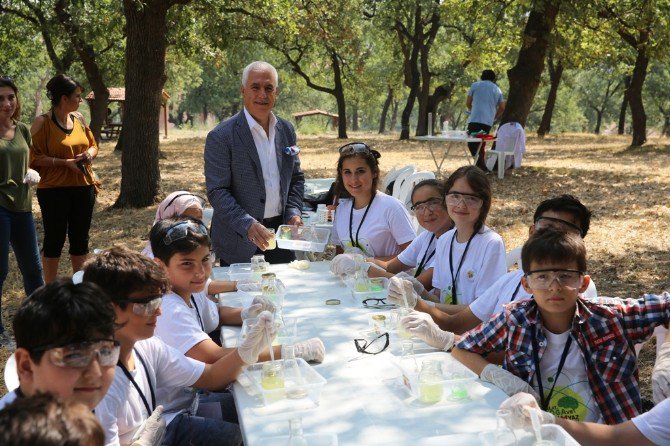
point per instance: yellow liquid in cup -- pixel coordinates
(404, 334)
(272, 244)
(430, 392)
(272, 382)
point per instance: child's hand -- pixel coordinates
(418, 286)
(310, 350)
(256, 340)
(519, 407)
(152, 431)
(660, 377)
(506, 381)
(258, 305)
(401, 291)
(422, 326)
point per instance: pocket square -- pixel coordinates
(293, 150)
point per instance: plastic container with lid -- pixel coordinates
(303, 238)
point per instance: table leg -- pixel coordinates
(501, 164)
(438, 166)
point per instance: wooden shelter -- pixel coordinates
(334, 119)
(118, 94)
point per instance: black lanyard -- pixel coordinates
(451, 267)
(544, 402)
(137, 387)
(516, 290)
(424, 260)
(197, 311)
(354, 243)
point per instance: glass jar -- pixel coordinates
(272, 375)
(269, 284)
(430, 381)
(295, 434)
(257, 263)
(361, 281)
(402, 312)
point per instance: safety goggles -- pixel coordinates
(355, 147)
(430, 205)
(470, 200)
(557, 223)
(144, 307)
(542, 279)
(180, 231)
(80, 355)
(373, 346)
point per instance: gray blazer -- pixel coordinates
(235, 187)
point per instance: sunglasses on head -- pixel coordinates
(355, 147)
(180, 230)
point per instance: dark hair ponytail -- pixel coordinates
(61, 85)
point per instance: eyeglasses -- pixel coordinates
(470, 200)
(431, 205)
(556, 223)
(180, 231)
(144, 307)
(374, 346)
(375, 302)
(355, 147)
(81, 354)
(542, 279)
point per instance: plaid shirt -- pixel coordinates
(605, 330)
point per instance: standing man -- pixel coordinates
(486, 103)
(252, 173)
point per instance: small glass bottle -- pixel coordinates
(272, 375)
(503, 435)
(257, 263)
(295, 434)
(408, 363)
(269, 284)
(402, 312)
(430, 381)
(361, 281)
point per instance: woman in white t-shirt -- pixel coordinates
(377, 224)
(470, 257)
(431, 212)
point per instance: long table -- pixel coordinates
(363, 401)
(456, 144)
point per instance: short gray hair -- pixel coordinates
(259, 65)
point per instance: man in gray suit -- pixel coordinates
(252, 173)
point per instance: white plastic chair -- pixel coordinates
(405, 192)
(510, 141)
(513, 257)
(207, 214)
(393, 176)
(405, 173)
(11, 376)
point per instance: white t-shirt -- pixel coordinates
(121, 412)
(182, 327)
(422, 247)
(483, 264)
(504, 291)
(654, 424)
(8, 399)
(387, 226)
(572, 397)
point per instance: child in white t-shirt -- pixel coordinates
(367, 219)
(188, 315)
(151, 373)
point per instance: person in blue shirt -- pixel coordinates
(486, 103)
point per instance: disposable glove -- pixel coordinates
(151, 432)
(422, 326)
(311, 350)
(660, 377)
(31, 178)
(506, 381)
(520, 406)
(418, 286)
(257, 305)
(399, 288)
(256, 340)
(343, 264)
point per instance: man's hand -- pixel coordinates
(259, 235)
(519, 407)
(296, 220)
(660, 377)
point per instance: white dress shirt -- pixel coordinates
(265, 145)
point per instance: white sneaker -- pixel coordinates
(7, 341)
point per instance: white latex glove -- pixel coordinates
(422, 326)
(660, 377)
(399, 287)
(31, 178)
(257, 305)
(151, 432)
(519, 406)
(506, 381)
(344, 264)
(256, 339)
(418, 286)
(311, 350)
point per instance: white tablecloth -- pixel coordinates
(363, 402)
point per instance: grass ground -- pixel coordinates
(627, 190)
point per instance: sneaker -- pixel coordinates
(7, 341)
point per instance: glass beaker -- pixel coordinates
(295, 434)
(272, 375)
(269, 284)
(361, 281)
(430, 381)
(503, 435)
(402, 333)
(257, 263)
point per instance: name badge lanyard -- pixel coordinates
(460, 264)
(424, 260)
(516, 290)
(354, 243)
(544, 402)
(197, 311)
(150, 409)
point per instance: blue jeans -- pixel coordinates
(18, 230)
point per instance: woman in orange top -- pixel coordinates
(62, 150)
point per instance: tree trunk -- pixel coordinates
(338, 92)
(354, 118)
(37, 98)
(146, 44)
(638, 116)
(555, 74)
(385, 110)
(624, 105)
(666, 126)
(524, 77)
(205, 112)
(599, 120)
(394, 116)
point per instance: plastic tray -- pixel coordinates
(310, 439)
(292, 237)
(362, 295)
(457, 377)
(551, 432)
(308, 389)
(242, 271)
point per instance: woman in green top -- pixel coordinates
(17, 226)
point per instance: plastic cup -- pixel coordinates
(272, 243)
